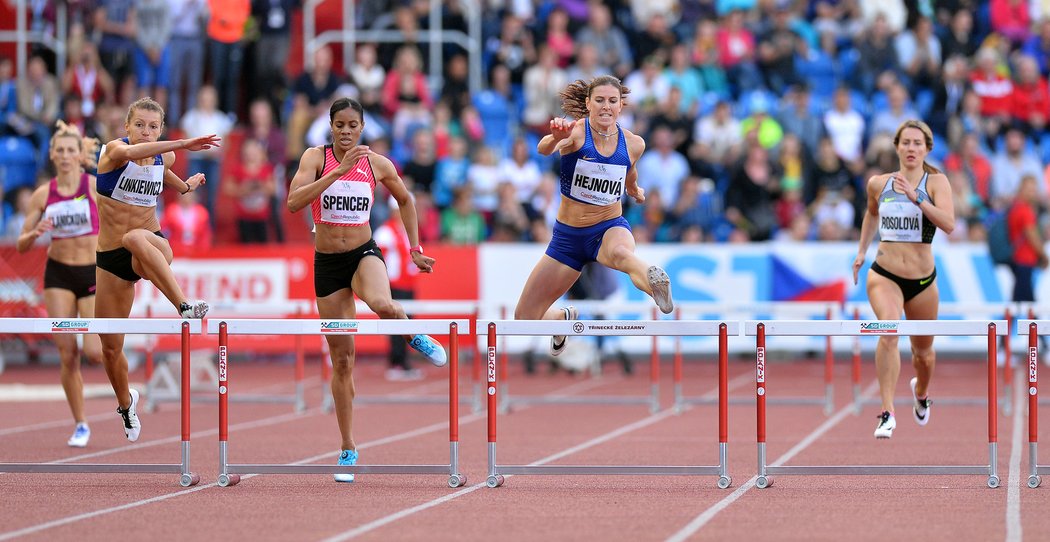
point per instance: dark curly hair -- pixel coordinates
(574, 97)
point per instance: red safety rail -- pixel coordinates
(453, 383)
(185, 395)
(493, 386)
(224, 385)
(1033, 384)
(723, 384)
(760, 381)
(993, 387)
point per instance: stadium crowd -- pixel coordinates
(763, 118)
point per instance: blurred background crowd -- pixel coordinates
(763, 118)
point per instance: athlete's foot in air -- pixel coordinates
(426, 345)
(661, 286)
(196, 310)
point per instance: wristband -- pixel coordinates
(919, 198)
(417, 248)
(188, 188)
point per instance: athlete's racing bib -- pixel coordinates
(71, 217)
(346, 202)
(597, 183)
(900, 221)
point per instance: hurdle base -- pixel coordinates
(642, 470)
(877, 469)
(91, 468)
(337, 469)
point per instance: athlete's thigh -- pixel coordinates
(371, 282)
(61, 303)
(614, 238)
(338, 305)
(923, 307)
(113, 295)
(550, 279)
(885, 297)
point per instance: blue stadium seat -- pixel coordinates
(17, 162)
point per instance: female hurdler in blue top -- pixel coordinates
(596, 159)
(132, 171)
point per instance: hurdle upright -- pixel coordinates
(229, 474)
(497, 473)
(127, 326)
(991, 328)
(1032, 328)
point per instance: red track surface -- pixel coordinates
(422, 507)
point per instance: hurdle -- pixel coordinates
(1031, 327)
(497, 473)
(160, 383)
(468, 309)
(815, 309)
(997, 309)
(128, 326)
(508, 401)
(229, 474)
(760, 330)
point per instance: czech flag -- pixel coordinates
(790, 285)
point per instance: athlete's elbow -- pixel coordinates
(949, 227)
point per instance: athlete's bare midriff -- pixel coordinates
(336, 239)
(906, 260)
(116, 218)
(581, 215)
(73, 251)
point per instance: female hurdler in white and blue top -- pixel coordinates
(132, 172)
(907, 207)
(596, 172)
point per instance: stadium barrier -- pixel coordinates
(497, 328)
(229, 474)
(153, 326)
(760, 330)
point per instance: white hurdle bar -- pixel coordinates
(991, 328)
(825, 309)
(507, 401)
(229, 474)
(1005, 310)
(469, 309)
(497, 473)
(1032, 329)
(127, 326)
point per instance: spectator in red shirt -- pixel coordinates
(1031, 96)
(990, 84)
(252, 185)
(1011, 19)
(1023, 228)
(187, 225)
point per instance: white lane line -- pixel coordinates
(644, 422)
(579, 386)
(707, 515)
(1014, 531)
(66, 422)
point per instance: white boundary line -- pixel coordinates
(707, 515)
(622, 430)
(256, 423)
(1014, 531)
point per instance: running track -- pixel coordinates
(422, 507)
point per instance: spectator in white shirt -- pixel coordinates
(662, 169)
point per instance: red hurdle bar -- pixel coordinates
(497, 473)
(852, 327)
